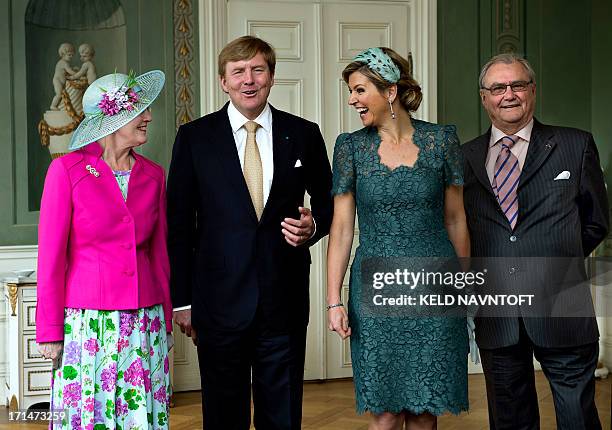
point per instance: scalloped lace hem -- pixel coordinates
(416, 411)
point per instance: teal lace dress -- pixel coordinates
(403, 363)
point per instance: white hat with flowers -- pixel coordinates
(110, 102)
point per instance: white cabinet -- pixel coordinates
(28, 376)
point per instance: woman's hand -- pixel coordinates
(51, 350)
(338, 321)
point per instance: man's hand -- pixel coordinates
(183, 320)
(298, 231)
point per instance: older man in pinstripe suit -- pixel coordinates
(516, 209)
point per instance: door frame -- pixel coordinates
(212, 22)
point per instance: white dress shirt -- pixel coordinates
(519, 150)
(263, 136)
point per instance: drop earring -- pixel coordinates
(391, 107)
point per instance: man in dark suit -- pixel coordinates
(239, 240)
(533, 190)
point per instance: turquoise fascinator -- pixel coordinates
(376, 59)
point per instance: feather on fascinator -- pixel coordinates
(377, 60)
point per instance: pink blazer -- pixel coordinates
(95, 250)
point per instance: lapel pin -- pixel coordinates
(548, 146)
(92, 170)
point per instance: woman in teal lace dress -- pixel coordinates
(403, 177)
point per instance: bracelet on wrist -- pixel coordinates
(335, 305)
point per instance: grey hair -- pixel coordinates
(507, 58)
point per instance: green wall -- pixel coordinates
(567, 42)
(601, 91)
(148, 45)
(558, 40)
(601, 81)
(458, 65)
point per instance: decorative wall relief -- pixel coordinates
(184, 62)
(509, 26)
(68, 43)
(66, 110)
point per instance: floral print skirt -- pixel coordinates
(114, 372)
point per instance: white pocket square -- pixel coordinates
(563, 175)
(298, 163)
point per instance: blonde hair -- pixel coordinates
(245, 48)
(408, 89)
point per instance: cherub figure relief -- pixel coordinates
(88, 68)
(62, 70)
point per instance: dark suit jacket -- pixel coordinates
(224, 263)
(564, 218)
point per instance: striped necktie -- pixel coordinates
(506, 179)
(253, 170)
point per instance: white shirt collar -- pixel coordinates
(524, 133)
(237, 120)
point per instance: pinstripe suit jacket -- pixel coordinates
(566, 218)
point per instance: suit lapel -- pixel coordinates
(225, 149)
(540, 147)
(282, 143)
(477, 157)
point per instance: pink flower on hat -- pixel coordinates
(118, 99)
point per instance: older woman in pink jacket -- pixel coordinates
(104, 313)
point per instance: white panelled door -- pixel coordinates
(185, 374)
(314, 40)
(293, 29)
(290, 28)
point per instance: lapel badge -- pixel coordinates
(92, 170)
(548, 146)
